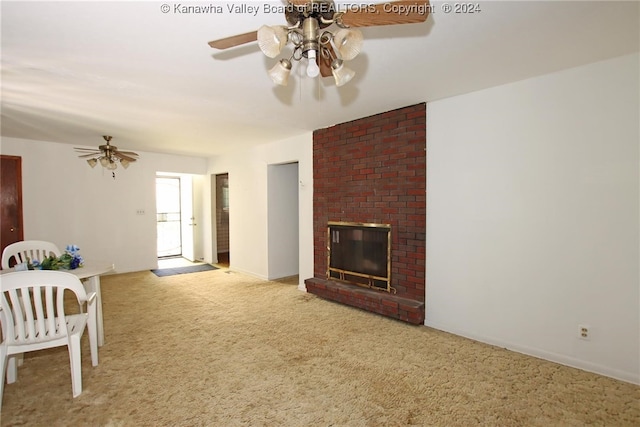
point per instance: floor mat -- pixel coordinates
(161, 272)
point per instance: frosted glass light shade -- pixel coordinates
(92, 162)
(280, 72)
(125, 163)
(341, 74)
(104, 162)
(272, 39)
(112, 165)
(348, 42)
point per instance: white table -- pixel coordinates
(90, 276)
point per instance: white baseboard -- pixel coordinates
(584, 365)
(248, 273)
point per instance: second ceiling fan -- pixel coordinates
(324, 50)
(107, 155)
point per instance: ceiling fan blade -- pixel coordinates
(85, 149)
(119, 155)
(391, 13)
(324, 62)
(89, 155)
(128, 153)
(236, 40)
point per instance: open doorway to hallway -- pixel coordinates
(222, 219)
(282, 220)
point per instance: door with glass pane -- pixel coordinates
(168, 216)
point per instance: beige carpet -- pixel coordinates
(224, 349)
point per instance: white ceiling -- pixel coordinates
(73, 71)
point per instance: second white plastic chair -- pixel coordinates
(28, 249)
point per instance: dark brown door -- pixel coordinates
(10, 200)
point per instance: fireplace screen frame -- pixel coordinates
(372, 281)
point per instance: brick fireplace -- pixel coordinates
(373, 170)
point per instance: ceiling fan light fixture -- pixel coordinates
(92, 162)
(341, 74)
(280, 72)
(310, 36)
(272, 39)
(348, 43)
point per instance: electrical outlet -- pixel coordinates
(584, 332)
(140, 212)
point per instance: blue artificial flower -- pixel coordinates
(75, 262)
(72, 249)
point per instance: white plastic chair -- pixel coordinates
(32, 249)
(33, 318)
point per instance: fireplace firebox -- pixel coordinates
(360, 254)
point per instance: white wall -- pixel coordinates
(248, 208)
(282, 211)
(67, 202)
(532, 216)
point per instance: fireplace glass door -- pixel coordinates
(360, 254)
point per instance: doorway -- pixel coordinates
(222, 219)
(282, 220)
(168, 217)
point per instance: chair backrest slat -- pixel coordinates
(60, 302)
(29, 318)
(37, 304)
(17, 314)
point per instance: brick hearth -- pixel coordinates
(389, 305)
(373, 170)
